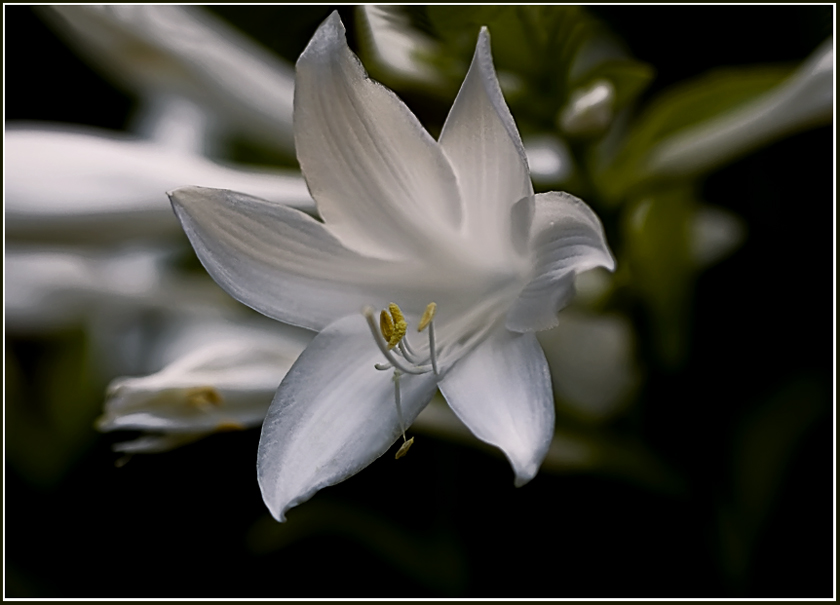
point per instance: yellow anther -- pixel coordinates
(428, 315)
(203, 396)
(400, 326)
(386, 325)
(404, 449)
(229, 425)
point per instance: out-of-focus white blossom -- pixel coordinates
(549, 159)
(184, 51)
(49, 287)
(804, 100)
(715, 234)
(396, 45)
(225, 382)
(90, 184)
(589, 110)
(592, 361)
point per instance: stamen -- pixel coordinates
(407, 352)
(386, 325)
(428, 315)
(203, 398)
(400, 325)
(383, 346)
(432, 352)
(397, 400)
(404, 449)
(406, 442)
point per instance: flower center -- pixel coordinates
(390, 337)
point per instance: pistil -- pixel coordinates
(391, 333)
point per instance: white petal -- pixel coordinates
(380, 181)
(89, 184)
(187, 52)
(804, 100)
(502, 392)
(592, 361)
(332, 416)
(284, 263)
(155, 444)
(566, 238)
(483, 145)
(51, 288)
(227, 383)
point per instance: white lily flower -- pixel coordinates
(408, 221)
(86, 183)
(224, 383)
(804, 100)
(184, 51)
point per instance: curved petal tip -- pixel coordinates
(329, 34)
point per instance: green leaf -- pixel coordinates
(52, 400)
(657, 248)
(765, 445)
(678, 108)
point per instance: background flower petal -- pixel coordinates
(228, 381)
(186, 51)
(380, 180)
(566, 237)
(333, 415)
(91, 184)
(502, 392)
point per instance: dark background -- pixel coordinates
(447, 521)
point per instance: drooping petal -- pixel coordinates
(482, 143)
(502, 392)
(333, 415)
(226, 383)
(381, 182)
(284, 263)
(185, 51)
(566, 238)
(90, 184)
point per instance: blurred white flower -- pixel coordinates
(406, 219)
(715, 234)
(183, 51)
(51, 287)
(549, 159)
(589, 110)
(593, 363)
(396, 45)
(225, 382)
(804, 100)
(89, 184)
